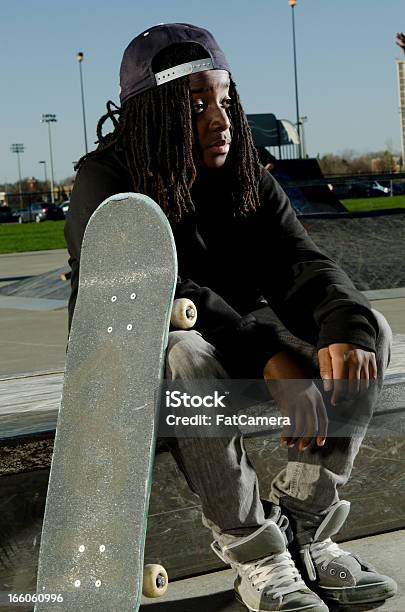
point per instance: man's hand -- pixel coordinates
(346, 362)
(298, 399)
(400, 40)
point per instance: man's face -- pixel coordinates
(209, 104)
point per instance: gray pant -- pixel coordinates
(219, 469)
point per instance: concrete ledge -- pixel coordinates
(25, 303)
(36, 253)
(385, 294)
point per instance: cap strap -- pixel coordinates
(182, 69)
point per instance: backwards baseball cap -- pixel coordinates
(136, 74)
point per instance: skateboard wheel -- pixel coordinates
(184, 314)
(155, 580)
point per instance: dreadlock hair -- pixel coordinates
(155, 132)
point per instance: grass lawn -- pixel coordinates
(17, 238)
(360, 204)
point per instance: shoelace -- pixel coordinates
(278, 570)
(321, 553)
(324, 552)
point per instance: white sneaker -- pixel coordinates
(338, 575)
(267, 579)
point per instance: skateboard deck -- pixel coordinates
(93, 536)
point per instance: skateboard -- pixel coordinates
(92, 544)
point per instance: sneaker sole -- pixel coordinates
(347, 596)
(308, 608)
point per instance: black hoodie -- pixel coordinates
(230, 266)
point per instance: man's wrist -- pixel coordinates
(282, 366)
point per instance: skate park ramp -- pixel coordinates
(268, 132)
(42, 291)
(370, 247)
(314, 198)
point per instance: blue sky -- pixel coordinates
(346, 64)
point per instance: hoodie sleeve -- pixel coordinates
(310, 293)
(241, 340)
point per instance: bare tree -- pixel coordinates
(348, 162)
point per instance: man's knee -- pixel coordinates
(181, 335)
(187, 342)
(383, 341)
(190, 356)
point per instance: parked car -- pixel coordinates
(360, 190)
(376, 186)
(6, 215)
(398, 188)
(368, 189)
(31, 213)
(341, 190)
(40, 211)
(64, 206)
(52, 212)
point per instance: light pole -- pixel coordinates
(49, 118)
(292, 3)
(45, 174)
(400, 40)
(80, 57)
(18, 148)
(304, 144)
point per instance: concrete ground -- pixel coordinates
(31, 340)
(17, 265)
(214, 592)
(394, 311)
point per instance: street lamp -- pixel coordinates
(49, 118)
(45, 174)
(292, 3)
(80, 57)
(18, 148)
(304, 144)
